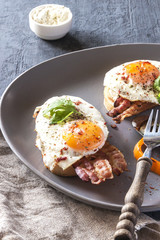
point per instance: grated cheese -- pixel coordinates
(52, 14)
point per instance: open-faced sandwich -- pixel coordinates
(132, 88)
(72, 137)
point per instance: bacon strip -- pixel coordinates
(115, 158)
(95, 170)
(124, 108)
(81, 172)
(121, 105)
(135, 108)
(101, 165)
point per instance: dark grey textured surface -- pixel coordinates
(95, 23)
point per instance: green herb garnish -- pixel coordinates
(156, 87)
(158, 97)
(62, 110)
(157, 84)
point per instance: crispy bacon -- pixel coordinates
(61, 159)
(103, 169)
(101, 165)
(95, 170)
(121, 105)
(81, 172)
(115, 158)
(135, 108)
(118, 101)
(124, 108)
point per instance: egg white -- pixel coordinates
(130, 90)
(49, 137)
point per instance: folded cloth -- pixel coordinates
(148, 231)
(30, 209)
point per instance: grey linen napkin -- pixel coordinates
(30, 209)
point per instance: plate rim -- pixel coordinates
(70, 53)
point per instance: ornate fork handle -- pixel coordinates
(133, 201)
(134, 197)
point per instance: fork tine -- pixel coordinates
(155, 122)
(149, 123)
(159, 128)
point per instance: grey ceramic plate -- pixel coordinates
(80, 74)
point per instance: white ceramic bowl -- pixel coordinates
(50, 32)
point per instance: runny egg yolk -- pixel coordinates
(142, 72)
(83, 136)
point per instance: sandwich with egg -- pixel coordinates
(131, 88)
(72, 137)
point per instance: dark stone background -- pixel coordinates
(95, 23)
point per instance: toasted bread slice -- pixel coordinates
(114, 156)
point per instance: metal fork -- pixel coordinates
(134, 197)
(151, 136)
